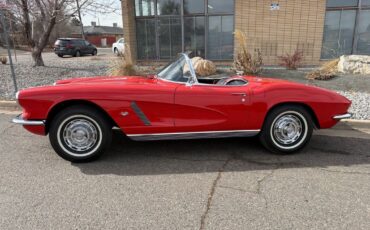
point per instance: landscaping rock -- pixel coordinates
(356, 64)
(202, 67)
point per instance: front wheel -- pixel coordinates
(94, 53)
(287, 129)
(80, 134)
(116, 52)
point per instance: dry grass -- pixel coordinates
(244, 61)
(123, 66)
(3, 60)
(291, 61)
(327, 71)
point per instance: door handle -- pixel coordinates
(239, 94)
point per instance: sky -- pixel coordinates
(106, 19)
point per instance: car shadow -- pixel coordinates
(129, 158)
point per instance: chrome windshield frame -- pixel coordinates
(192, 79)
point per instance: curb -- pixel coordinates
(10, 106)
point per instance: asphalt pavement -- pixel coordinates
(194, 184)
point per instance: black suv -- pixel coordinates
(74, 46)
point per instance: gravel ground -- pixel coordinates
(56, 68)
(355, 88)
(360, 104)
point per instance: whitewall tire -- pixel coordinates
(80, 134)
(287, 129)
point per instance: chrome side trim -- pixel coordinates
(140, 114)
(20, 121)
(193, 135)
(343, 116)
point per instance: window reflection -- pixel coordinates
(145, 34)
(193, 6)
(338, 33)
(169, 37)
(220, 37)
(169, 7)
(363, 36)
(341, 3)
(194, 35)
(220, 6)
(145, 7)
(163, 30)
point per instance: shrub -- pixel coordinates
(244, 61)
(3, 60)
(291, 61)
(327, 71)
(123, 66)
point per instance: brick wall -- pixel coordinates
(298, 24)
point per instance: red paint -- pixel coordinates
(175, 107)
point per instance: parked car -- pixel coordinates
(118, 48)
(74, 46)
(79, 114)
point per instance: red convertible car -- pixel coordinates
(79, 114)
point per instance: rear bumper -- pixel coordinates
(342, 116)
(20, 121)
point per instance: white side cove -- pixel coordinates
(194, 135)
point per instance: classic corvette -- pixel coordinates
(79, 114)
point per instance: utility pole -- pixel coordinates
(6, 38)
(80, 18)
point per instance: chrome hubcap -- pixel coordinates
(80, 135)
(287, 129)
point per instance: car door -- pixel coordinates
(202, 107)
(85, 48)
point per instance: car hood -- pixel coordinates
(106, 80)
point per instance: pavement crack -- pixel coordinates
(211, 194)
(260, 183)
(7, 128)
(236, 189)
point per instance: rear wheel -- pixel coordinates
(60, 55)
(94, 53)
(80, 134)
(77, 54)
(287, 129)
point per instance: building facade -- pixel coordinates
(101, 36)
(321, 29)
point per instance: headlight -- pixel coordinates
(54, 84)
(17, 95)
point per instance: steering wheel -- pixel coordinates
(232, 81)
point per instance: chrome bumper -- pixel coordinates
(20, 121)
(343, 116)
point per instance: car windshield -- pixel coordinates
(177, 71)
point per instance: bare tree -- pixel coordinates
(46, 14)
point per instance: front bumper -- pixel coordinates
(342, 116)
(20, 121)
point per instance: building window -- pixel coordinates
(145, 39)
(168, 27)
(220, 37)
(347, 28)
(145, 7)
(194, 35)
(194, 6)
